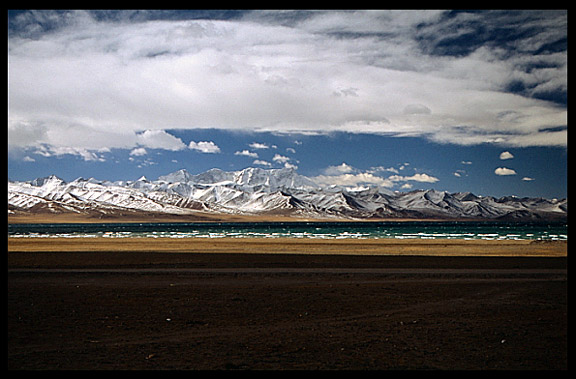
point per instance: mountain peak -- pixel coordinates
(273, 179)
(465, 196)
(52, 179)
(256, 190)
(178, 176)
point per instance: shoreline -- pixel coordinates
(444, 247)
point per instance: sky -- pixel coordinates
(452, 100)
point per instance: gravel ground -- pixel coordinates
(446, 313)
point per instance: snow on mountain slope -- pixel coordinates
(90, 195)
(249, 179)
(256, 191)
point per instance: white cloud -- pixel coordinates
(139, 151)
(503, 171)
(159, 139)
(111, 80)
(338, 170)
(383, 169)
(258, 145)
(208, 147)
(460, 173)
(23, 133)
(424, 178)
(506, 155)
(247, 153)
(527, 179)
(280, 158)
(346, 175)
(87, 155)
(352, 180)
(260, 162)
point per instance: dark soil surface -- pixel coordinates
(483, 313)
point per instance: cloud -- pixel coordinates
(207, 147)
(159, 139)
(527, 179)
(260, 162)
(349, 176)
(85, 154)
(285, 160)
(496, 77)
(352, 180)
(247, 153)
(258, 145)
(506, 155)
(338, 170)
(384, 169)
(24, 133)
(280, 158)
(416, 109)
(350, 91)
(138, 152)
(423, 178)
(503, 171)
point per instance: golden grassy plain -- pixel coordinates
(443, 247)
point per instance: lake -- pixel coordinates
(487, 230)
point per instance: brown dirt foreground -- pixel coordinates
(147, 309)
(298, 246)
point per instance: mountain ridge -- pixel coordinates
(257, 191)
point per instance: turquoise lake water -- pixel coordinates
(327, 230)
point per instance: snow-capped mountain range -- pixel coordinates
(255, 191)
